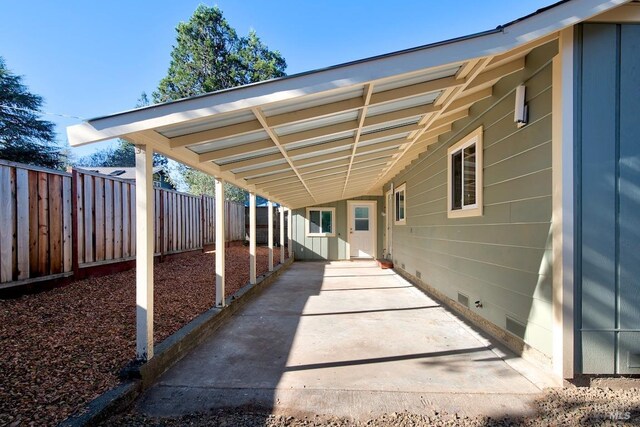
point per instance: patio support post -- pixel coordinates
(270, 214)
(220, 241)
(289, 243)
(281, 234)
(252, 238)
(144, 252)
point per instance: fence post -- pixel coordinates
(161, 225)
(75, 265)
(202, 221)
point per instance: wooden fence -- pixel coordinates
(54, 223)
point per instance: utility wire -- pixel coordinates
(66, 116)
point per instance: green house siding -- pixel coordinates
(608, 218)
(502, 258)
(335, 247)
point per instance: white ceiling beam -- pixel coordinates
(415, 89)
(368, 91)
(261, 118)
(315, 112)
(319, 132)
(399, 114)
(472, 74)
(389, 132)
(215, 134)
(251, 162)
(345, 142)
(236, 150)
(258, 180)
(160, 144)
(489, 78)
(283, 167)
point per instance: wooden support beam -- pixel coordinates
(276, 140)
(315, 112)
(251, 162)
(144, 252)
(215, 134)
(415, 89)
(400, 114)
(281, 234)
(389, 132)
(319, 132)
(270, 232)
(235, 150)
(345, 142)
(368, 91)
(252, 238)
(289, 232)
(220, 242)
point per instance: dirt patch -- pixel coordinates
(62, 348)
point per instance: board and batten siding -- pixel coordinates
(330, 248)
(502, 258)
(608, 210)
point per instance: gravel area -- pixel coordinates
(61, 348)
(557, 407)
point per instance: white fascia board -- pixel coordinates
(360, 72)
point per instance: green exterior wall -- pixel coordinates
(502, 258)
(608, 207)
(330, 248)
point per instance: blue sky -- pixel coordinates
(94, 58)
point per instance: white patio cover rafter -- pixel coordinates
(343, 131)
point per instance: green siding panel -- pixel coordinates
(609, 208)
(503, 257)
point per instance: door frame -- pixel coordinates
(388, 234)
(373, 213)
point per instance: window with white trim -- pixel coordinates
(321, 222)
(400, 205)
(464, 181)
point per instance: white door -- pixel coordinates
(362, 229)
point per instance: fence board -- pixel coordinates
(6, 232)
(132, 214)
(37, 221)
(80, 218)
(126, 221)
(88, 218)
(108, 219)
(66, 224)
(22, 213)
(54, 196)
(43, 222)
(117, 219)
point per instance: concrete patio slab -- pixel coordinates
(344, 339)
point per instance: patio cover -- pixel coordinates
(342, 131)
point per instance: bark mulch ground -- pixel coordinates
(61, 348)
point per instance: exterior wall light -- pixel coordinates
(521, 116)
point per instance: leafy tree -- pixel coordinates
(209, 56)
(24, 136)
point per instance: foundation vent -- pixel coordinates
(515, 327)
(463, 299)
(633, 361)
(418, 274)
